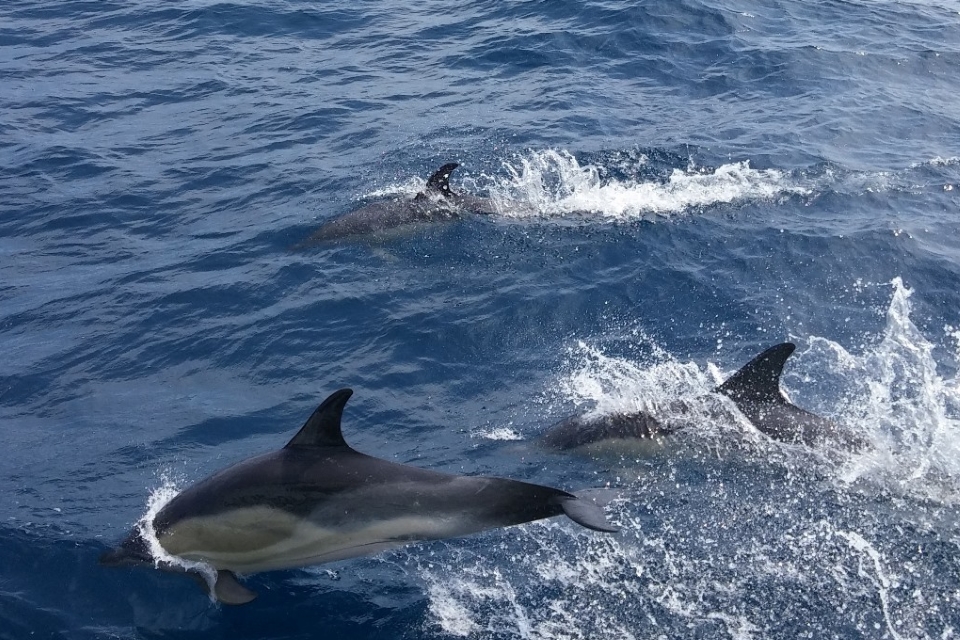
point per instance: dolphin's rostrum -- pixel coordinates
(318, 500)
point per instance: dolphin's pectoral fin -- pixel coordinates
(440, 180)
(759, 379)
(586, 513)
(228, 589)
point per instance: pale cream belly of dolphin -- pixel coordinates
(263, 539)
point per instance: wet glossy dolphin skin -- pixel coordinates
(755, 389)
(436, 202)
(318, 500)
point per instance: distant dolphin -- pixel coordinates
(318, 500)
(755, 389)
(436, 202)
(615, 431)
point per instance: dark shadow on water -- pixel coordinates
(52, 587)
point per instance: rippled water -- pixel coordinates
(678, 186)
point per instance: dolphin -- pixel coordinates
(754, 389)
(318, 500)
(436, 202)
(621, 433)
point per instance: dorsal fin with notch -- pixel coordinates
(439, 182)
(759, 379)
(322, 429)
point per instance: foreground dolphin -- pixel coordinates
(318, 500)
(755, 389)
(436, 202)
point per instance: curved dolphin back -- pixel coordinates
(759, 379)
(322, 428)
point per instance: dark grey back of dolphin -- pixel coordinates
(576, 431)
(306, 477)
(438, 201)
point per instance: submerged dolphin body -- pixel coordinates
(596, 435)
(755, 389)
(436, 202)
(318, 500)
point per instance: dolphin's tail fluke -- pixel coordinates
(587, 512)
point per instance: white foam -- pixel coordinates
(882, 581)
(408, 189)
(897, 397)
(448, 612)
(497, 433)
(673, 391)
(553, 183)
(939, 161)
(481, 599)
(612, 384)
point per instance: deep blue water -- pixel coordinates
(684, 184)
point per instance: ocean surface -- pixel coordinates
(680, 184)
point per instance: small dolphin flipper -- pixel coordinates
(439, 182)
(228, 589)
(586, 513)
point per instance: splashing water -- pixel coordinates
(745, 546)
(158, 499)
(554, 184)
(896, 396)
(497, 433)
(407, 189)
(892, 395)
(614, 384)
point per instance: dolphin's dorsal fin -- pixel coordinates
(439, 182)
(759, 379)
(322, 429)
